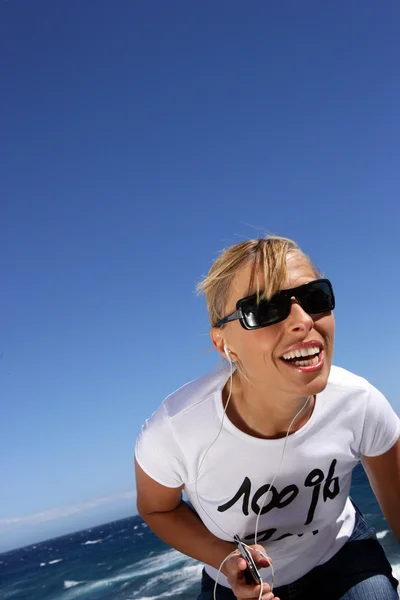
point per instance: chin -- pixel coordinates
(319, 381)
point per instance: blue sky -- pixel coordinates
(138, 140)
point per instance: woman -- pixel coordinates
(265, 447)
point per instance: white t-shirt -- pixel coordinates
(307, 516)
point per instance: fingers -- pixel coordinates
(252, 592)
(235, 573)
(269, 596)
(258, 553)
(245, 591)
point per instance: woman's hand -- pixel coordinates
(234, 570)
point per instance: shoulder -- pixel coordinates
(165, 444)
(365, 401)
(346, 397)
(347, 382)
(188, 406)
(190, 403)
(187, 398)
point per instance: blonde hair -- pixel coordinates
(269, 254)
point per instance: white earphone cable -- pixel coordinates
(266, 494)
(209, 448)
(279, 468)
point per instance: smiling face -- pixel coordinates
(259, 353)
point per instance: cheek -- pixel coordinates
(326, 327)
(259, 345)
(331, 326)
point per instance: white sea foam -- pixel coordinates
(157, 563)
(381, 534)
(178, 582)
(70, 584)
(168, 560)
(152, 566)
(92, 542)
(183, 573)
(53, 562)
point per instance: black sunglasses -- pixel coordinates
(314, 298)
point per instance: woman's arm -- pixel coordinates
(384, 476)
(175, 523)
(172, 520)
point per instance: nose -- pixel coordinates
(298, 319)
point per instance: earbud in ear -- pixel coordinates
(227, 353)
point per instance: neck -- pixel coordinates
(265, 413)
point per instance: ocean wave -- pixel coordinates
(51, 562)
(160, 562)
(10, 593)
(381, 534)
(70, 584)
(178, 582)
(154, 563)
(181, 578)
(91, 542)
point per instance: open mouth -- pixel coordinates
(303, 357)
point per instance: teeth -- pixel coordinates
(301, 352)
(306, 363)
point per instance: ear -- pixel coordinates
(219, 341)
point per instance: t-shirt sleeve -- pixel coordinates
(381, 425)
(157, 451)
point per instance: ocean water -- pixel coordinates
(123, 560)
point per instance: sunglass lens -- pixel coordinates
(266, 312)
(318, 298)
